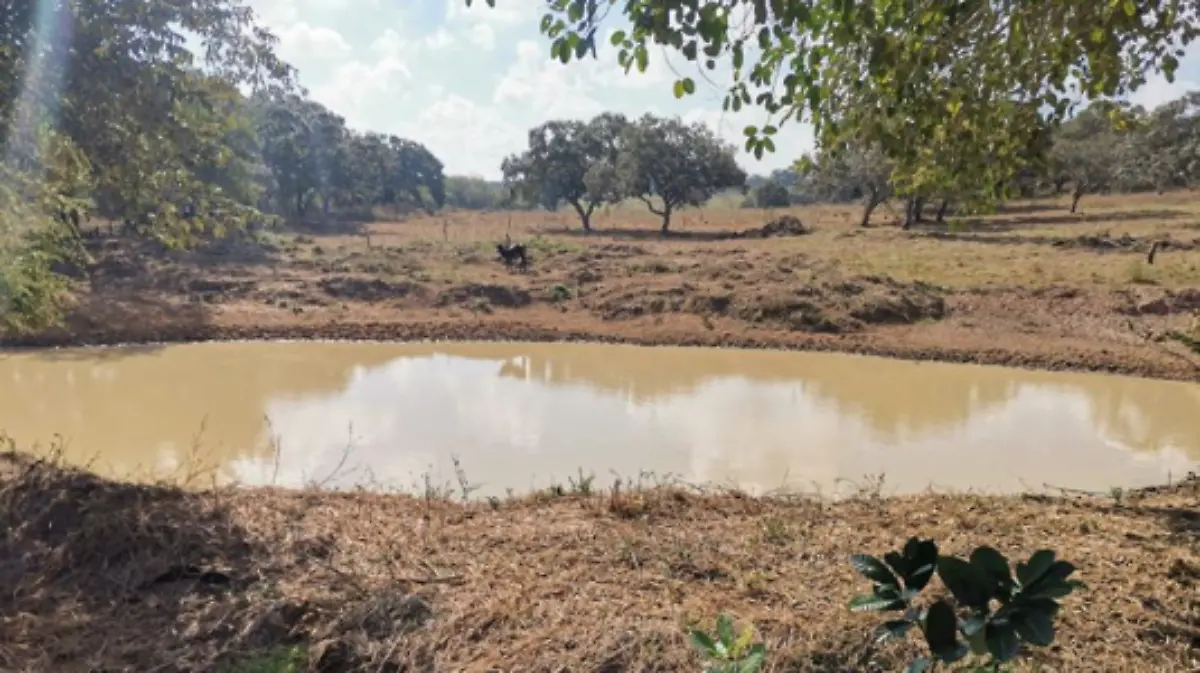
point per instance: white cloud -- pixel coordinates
(482, 35)
(470, 83)
(441, 39)
(303, 40)
(510, 13)
(473, 136)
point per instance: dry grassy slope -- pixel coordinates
(96, 576)
(1033, 286)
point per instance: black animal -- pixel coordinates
(513, 253)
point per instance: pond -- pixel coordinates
(524, 416)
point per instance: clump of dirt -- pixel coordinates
(371, 290)
(503, 296)
(610, 251)
(1124, 242)
(219, 287)
(636, 303)
(784, 225)
(832, 307)
(1166, 302)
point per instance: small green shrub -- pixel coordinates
(994, 612)
(559, 293)
(729, 653)
(284, 659)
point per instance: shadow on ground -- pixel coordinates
(95, 569)
(1049, 220)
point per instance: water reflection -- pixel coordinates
(527, 415)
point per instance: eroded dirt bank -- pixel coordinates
(100, 575)
(1038, 290)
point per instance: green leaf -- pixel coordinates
(703, 642)
(1039, 563)
(1002, 641)
(750, 132)
(941, 631)
(643, 58)
(994, 564)
(869, 566)
(678, 89)
(689, 86)
(725, 631)
(755, 658)
(1035, 627)
(618, 37)
(971, 586)
(869, 603)
(975, 631)
(892, 630)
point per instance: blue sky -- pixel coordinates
(469, 84)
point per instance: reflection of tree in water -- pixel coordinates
(892, 397)
(1149, 415)
(128, 410)
(896, 399)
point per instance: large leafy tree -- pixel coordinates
(570, 161)
(920, 79)
(102, 105)
(314, 157)
(1095, 155)
(1169, 143)
(670, 165)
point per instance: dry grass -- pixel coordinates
(1034, 286)
(105, 575)
(1014, 247)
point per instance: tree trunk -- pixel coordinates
(585, 215)
(918, 209)
(869, 207)
(1075, 199)
(909, 212)
(666, 219)
(941, 214)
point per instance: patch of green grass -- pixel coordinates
(559, 293)
(282, 659)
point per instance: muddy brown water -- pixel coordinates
(523, 416)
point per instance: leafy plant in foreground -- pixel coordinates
(1025, 605)
(727, 652)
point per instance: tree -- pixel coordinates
(159, 155)
(1092, 153)
(469, 192)
(973, 78)
(771, 194)
(852, 171)
(1168, 146)
(312, 155)
(680, 164)
(560, 157)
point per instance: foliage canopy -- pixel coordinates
(979, 81)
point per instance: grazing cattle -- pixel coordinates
(513, 253)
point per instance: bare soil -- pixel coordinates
(1034, 286)
(100, 575)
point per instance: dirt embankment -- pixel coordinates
(1038, 300)
(100, 575)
